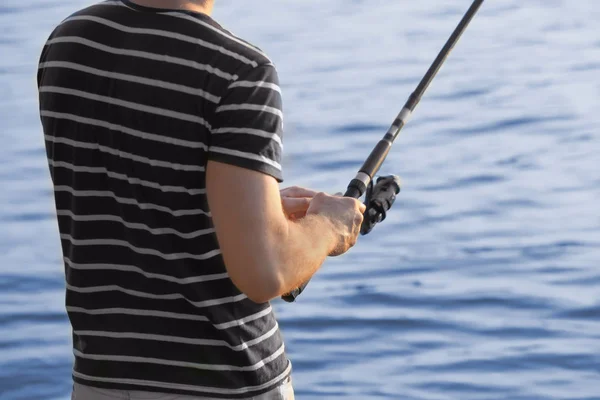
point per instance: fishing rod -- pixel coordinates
(381, 196)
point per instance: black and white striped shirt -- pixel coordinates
(133, 103)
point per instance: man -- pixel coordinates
(163, 135)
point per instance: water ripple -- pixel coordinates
(482, 281)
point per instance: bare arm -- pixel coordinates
(266, 254)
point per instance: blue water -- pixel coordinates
(484, 281)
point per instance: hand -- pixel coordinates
(346, 216)
(295, 201)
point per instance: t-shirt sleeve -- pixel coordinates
(247, 128)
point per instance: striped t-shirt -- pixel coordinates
(134, 101)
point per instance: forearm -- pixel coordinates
(265, 253)
(302, 250)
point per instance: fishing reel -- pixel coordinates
(379, 198)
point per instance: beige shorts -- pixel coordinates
(82, 392)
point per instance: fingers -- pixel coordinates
(295, 206)
(362, 207)
(297, 191)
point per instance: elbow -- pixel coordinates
(260, 286)
(261, 296)
(258, 270)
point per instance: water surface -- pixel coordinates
(483, 281)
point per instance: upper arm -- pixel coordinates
(242, 175)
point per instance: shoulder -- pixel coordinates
(230, 45)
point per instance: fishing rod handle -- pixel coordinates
(356, 188)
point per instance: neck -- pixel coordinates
(204, 7)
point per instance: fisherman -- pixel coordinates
(163, 134)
